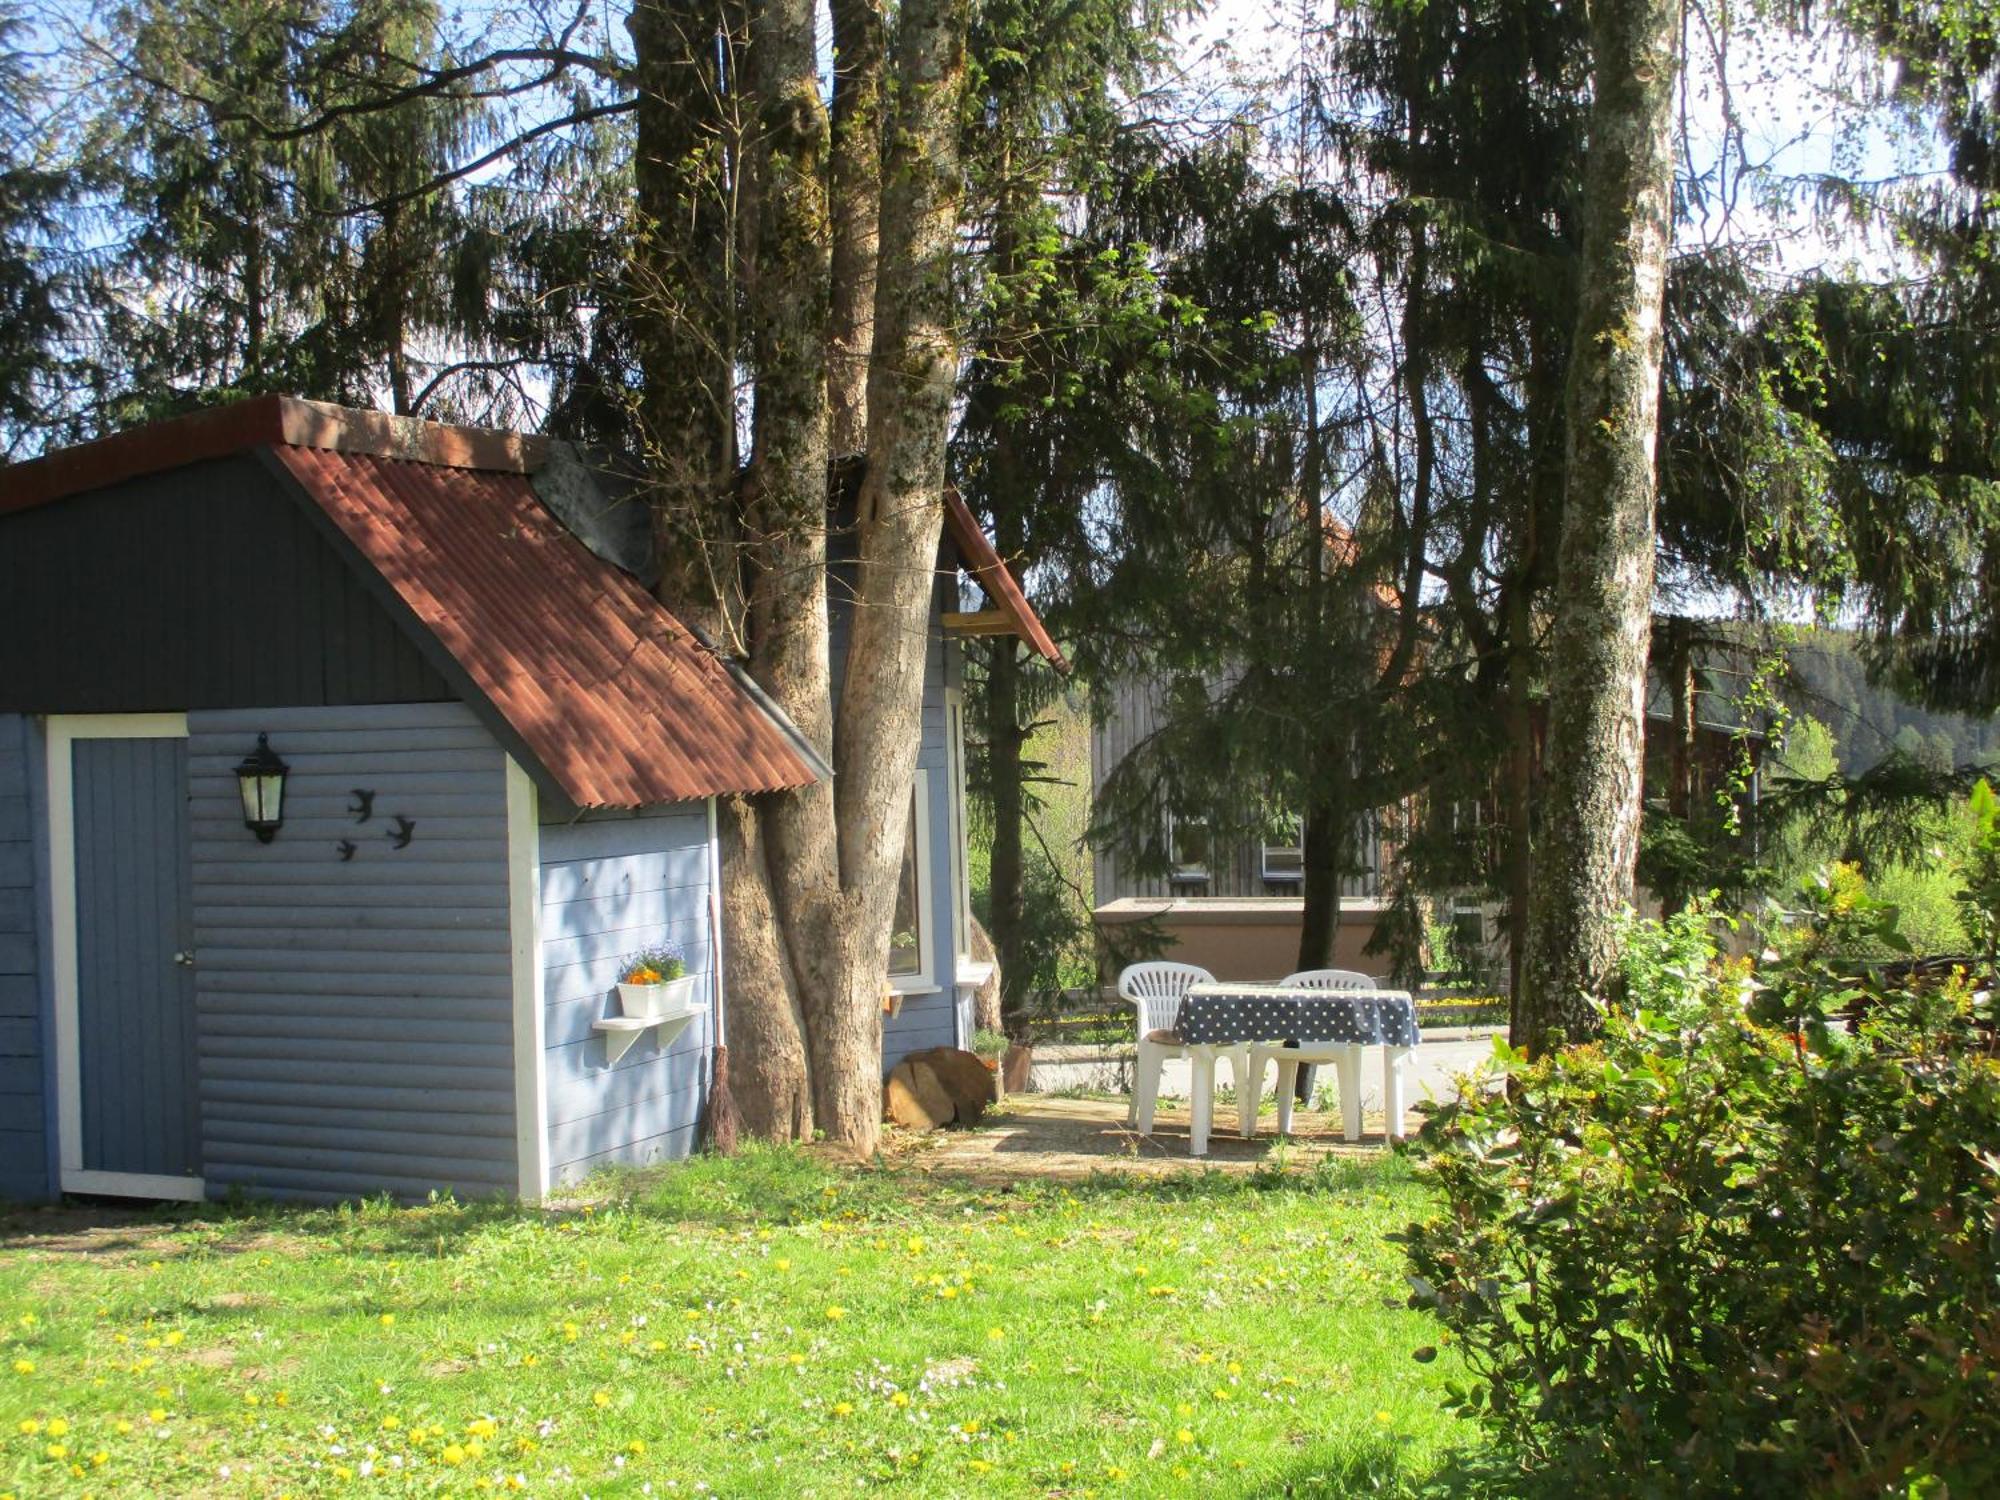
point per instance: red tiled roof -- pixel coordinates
(983, 562)
(596, 680)
(605, 688)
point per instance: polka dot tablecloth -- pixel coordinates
(1227, 1015)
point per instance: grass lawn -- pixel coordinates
(761, 1326)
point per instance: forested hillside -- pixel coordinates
(1830, 683)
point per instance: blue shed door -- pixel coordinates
(131, 1110)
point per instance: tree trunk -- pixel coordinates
(899, 520)
(857, 211)
(768, 1072)
(1590, 832)
(1323, 853)
(785, 491)
(1004, 740)
(1677, 667)
(683, 283)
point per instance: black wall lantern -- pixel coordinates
(260, 776)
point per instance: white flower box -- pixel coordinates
(671, 997)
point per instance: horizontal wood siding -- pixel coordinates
(204, 587)
(932, 1020)
(1236, 870)
(355, 1016)
(613, 883)
(24, 1138)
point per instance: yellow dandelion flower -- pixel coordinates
(1183, 1436)
(843, 1408)
(1383, 1416)
(251, 1398)
(100, 1458)
(782, 1264)
(835, 1314)
(795, 1358)
(57, 1450)
(657, 1345)
(980, 1465)
(121, 1427)
(24, 1367)
(30, 1427)
(1161, 1290)
(387, 1320)
(482, 1427)
(453, 1455)
(157, 1414)
(570, 1331)
(996, 1333)
(529, 1361)
(899, 1398)
(600, 1399)
(636, 1446)
(915, 1244)
(970, 1428)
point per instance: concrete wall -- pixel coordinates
(355, 1015)
(24, 1136)
(610, 885)
(1247, 939)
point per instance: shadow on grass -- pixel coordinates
(1381, 1468)
(760, 1185)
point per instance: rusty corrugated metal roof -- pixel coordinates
(618, 702)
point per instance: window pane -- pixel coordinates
(1284, 854)
(1191, 845)
(906, 939)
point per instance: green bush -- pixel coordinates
(1733, 1246)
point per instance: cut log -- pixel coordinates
(915, 1099)
(968, 1081)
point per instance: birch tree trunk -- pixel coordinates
(1604, 590)
(899, 520)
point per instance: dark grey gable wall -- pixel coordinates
(355, 1016)
(611, 884)
(24, 1144)
(203, 587)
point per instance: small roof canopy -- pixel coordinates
(982, 560)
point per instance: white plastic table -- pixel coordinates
(1323, 1026)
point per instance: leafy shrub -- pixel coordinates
(1734, 1246)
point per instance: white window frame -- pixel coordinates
(1188, 872)
(1291, 877)
(961, 880)
(924, 981)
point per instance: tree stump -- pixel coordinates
(967, 1080)
(915, 1099)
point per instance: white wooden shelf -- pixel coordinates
(620, 1032)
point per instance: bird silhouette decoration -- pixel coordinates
(346, 848)
(363, 806)
(399, 836)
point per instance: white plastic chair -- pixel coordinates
(1345, 1057)
(1155, 991)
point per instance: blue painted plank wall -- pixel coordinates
(355, 1015)
(932, 1020)
(612, 884)
(24, 1141)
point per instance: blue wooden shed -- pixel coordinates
(501, 754)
